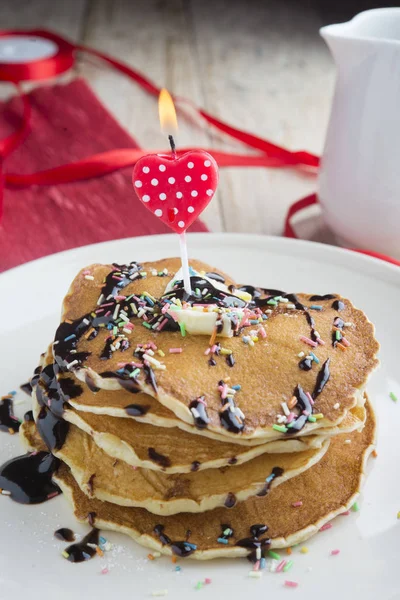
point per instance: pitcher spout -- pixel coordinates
(366, 33)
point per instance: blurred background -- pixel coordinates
(257, 64)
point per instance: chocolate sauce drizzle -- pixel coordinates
(304, 404)
(85, 549)
(339, 324)
(68, 334)
(136, 410)
(107, 353)
(8, 421)
(64, 534)
(258, 529)
(200, 416)
(28, 416)
(230, 500)
(26, 387)
(276, 472)
(90, 484)
(150, 378)
(322, 378)
(226, 531)
(183, 549)
(338, 305)
(53, 393)
(180, 548)
(125, 379)
(216, 277)
(256, 545)
(28, 477)
(230, 360)
(325, 297)
(34, 379)
(306, 364)
(160, 459)
(230, 421)
(230, 416)
(52, 429)
(159, 531)
(90, 383)
(292, 298)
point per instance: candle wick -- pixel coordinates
(172, 144)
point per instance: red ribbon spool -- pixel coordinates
(40, 68)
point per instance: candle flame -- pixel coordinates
(166, 111)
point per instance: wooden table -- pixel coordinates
(260, 66)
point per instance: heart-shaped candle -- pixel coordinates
(176, 189)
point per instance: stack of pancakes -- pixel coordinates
(219, 423)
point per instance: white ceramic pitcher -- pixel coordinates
(359, 182)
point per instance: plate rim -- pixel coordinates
(366, 262)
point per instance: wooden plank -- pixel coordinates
(64, 17)
(156, 38)
(265, 69)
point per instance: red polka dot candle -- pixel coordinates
(176, 189)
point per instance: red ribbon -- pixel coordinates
(295, 208)
(108, 162)
(310, 201)
(12, 141)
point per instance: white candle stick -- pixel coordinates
(185, 263)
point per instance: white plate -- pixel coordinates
(30, 561)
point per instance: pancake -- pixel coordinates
(154, 413)
(138, 444)
(112, 480)
(145, 409)
(141, 445)
(267, 372)
(326, 490)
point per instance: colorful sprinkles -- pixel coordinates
(288, 566)
(291, 584)
(307, 341)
